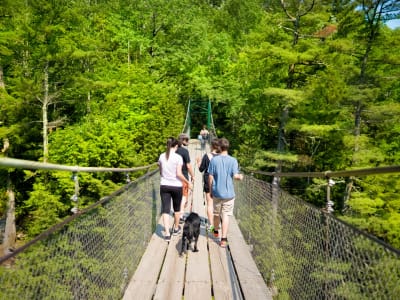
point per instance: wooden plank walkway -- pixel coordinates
(212, 273)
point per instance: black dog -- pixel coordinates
(191, 232)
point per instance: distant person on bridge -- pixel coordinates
(204, 137)
(172, 179)
(203, 167)
(187, 169)
(222, 170)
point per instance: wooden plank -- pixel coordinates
(197, 278)
(163, 274)
(221, 281)
(198, 281)
(217, 257)
(143, 282)
(198, 199)
(170, 283)
(251, 281)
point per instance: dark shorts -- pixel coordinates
(167, 193)
(206, 186)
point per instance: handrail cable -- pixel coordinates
(26, 164)
(212, 128)
(330, 174)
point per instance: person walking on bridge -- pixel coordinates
(223, 169)
(187, 169)
(172, 179)
(204, 137)
(203, 167)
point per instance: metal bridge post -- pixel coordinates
(329, 203)
(75, 197)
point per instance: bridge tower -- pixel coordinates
(199, 113)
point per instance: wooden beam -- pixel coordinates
(252, 284)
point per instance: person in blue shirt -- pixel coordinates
(223, 169)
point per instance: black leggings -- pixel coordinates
(167, 193)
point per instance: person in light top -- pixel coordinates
(204, 137)
(171, 182)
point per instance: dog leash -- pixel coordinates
(191, 199)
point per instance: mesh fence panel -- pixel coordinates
(304, 253)
(93, 256)
(301, 252)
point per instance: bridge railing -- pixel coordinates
(90, 255)
(301, 251)
(306, 253)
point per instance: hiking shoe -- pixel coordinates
(223, 243)
(177, 231)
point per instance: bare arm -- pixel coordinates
(160, 167)
(198, 161)
(190, 170)
(238, 176)
(181, 177)
(210, 183)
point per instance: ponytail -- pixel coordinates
(171, 143)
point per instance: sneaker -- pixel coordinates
(211, 228)
(167, 238)
(177, 231)
(216, 233)
(224, 242)
(181, 220)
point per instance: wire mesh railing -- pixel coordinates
(305, 253)
(91, 255)
(301, 251)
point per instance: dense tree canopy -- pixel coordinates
(103, 83)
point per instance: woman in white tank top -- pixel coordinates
(170, 165)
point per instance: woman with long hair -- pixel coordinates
(170, 165)
(203, 167)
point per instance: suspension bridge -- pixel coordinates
(280, 247)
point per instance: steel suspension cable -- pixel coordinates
(26, 164)
(330, 174)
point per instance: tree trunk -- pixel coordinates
(45, 104)
(2, 85)
(373, 22)
(10, 231)
(88, 109)
(281, 144)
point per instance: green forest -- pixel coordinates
(305, 86)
